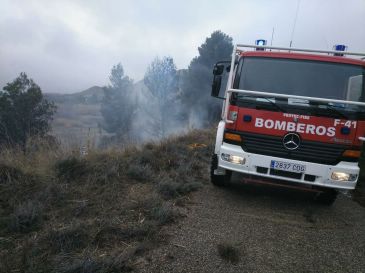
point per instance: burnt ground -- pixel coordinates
(245, 228)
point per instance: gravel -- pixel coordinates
(273, 230)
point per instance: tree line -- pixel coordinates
(177, 98)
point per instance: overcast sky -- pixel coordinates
(68, 46)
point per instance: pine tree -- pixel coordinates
(24, 112)
(118, 107)
(198, 78)
(161, 80)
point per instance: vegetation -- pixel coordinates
(198, 79)
(161, 80)
(167, 101)
(24, 113)
(60, 212)
(118, 107)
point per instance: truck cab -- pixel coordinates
(291, 117)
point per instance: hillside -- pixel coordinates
(78, 120)
(91, 95)
(99, 213)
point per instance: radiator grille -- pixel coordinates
(310, 151)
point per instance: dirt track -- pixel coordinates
(274, 230)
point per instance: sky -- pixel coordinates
(68, 46)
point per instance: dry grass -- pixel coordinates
(60, 212)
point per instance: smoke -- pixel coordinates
(148, 118)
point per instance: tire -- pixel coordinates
(218, 180)
(327, 197)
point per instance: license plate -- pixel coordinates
(286, 166)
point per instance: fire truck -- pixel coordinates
(291, 117)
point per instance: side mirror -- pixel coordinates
(217, 79)
(354, 88)
(216, 86)
(218, 69)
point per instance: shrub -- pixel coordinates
(9, 174)
(71, 169)
(68, 239)
(95, 168)
(187, 187)
(29, 257)
(52, 194)
(104, 167)
(80, 265)
(148, 204)
(26, 217)
(111, 235)
(115, 263)
(146, 157)
(163, 214)
(169, 188)
(228, 252)
(140, 173)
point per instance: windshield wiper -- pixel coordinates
(266, 99)
(274, 104)
(334, 109)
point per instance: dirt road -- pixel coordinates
(271, 230)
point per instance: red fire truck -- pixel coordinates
(291, 117)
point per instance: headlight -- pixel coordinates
(341, 176)
(233, 158)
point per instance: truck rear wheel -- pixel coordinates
(218, 180)
(327, 197)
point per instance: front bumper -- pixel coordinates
(320, 173)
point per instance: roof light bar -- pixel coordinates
(260, 42)
(339, 48)
(298, 49)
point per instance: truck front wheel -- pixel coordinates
(218, 180)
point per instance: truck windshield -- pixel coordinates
(302, 77)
